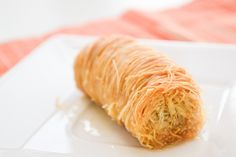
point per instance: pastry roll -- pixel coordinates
(155, 99)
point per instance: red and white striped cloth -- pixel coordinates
(201, 20)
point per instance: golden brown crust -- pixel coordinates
(156, 100)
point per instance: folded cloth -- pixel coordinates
(200, 20)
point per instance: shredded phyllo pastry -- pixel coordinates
(156, 100)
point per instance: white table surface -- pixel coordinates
(22, 18)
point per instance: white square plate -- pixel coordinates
(81, 128)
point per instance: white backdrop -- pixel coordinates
(21, 18)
